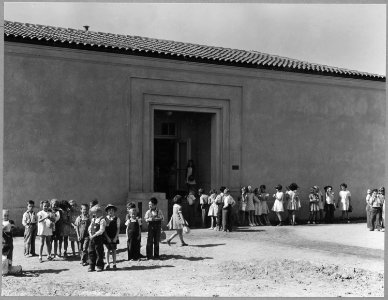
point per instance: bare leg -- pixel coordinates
(42, 238)
(114, 256)
(65, 244)
(107, 256)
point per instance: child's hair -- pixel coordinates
(279, 187)
(30, 202)
(177, 199)
(262, 187)
(212, 191)
(344, 185)
(43, 202)
(85, 205)
(293, 186)
(154, 201)
(93, 202)
(64, 205)
(327, 187)
(256, 191)
(131, 205)
(222, 189)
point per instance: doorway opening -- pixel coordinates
(178, 137)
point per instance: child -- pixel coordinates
(345, 200)
(133, 234)
(264, 206)
(204, 202)
(8, 229)
(66, 227)
(82, 224)
(57, 227)
(381, 194)
(7, 267)
(220, 203)
(29, 222)
(243, 204)
(213, 209)
(96, 234)
(46, 221)
(154, 218)
(278, 204)
(314, 206)
(376, 204)
(257, 204)
(111, 234)
(293, 202)
(191, 208)
(329, 204)
(250, 207)
(321, 203)
(227, 211)
(73, 234)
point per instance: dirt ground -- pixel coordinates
(310, 260)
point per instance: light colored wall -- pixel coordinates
(67, 124)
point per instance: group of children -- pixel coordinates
(252, 205)
(59, 222)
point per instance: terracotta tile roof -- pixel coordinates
(136, 45)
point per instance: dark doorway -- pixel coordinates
(164, 158)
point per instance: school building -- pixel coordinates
(101, 115)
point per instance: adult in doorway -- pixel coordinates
(172, 179)
(177, 221)
(190, 175)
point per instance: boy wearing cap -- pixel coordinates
(204, 202)
(96, 234)
(111, 234)
(154, 218)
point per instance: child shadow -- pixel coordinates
(208, 245)
(249, 230)
(121, 250)
(141, 268)
(191, 258)
(36, 273)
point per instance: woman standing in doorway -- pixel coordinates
(190, 175)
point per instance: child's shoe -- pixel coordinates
(114, 267)
(84, 263)
(65, 254)
(107, 267)
(40, 259)
(91, 269)
(211, 228)
(100, 269)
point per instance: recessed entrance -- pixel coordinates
(178, 137)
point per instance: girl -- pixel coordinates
(133, 234)
(177, 221)
(111, 233)
(278, 204)
(65, 227)
(329, 204)
(345, 200)
(368, 208)
(213, 209)
(73, 234)
(257, 204)
(250, 207)
(46, 222)
(220, 203)
(243, 204)
(82, 224)
(190, 175)
(320, 203)
(8, 229)
(293, 202)
(264, 206)
(314, 206)
(204, 202)
(57, 227)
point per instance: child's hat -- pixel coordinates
(109, 206)
(95, 209)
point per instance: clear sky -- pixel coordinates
(351, 36)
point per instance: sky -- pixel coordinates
(351, 36)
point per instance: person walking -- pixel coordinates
(177, 221)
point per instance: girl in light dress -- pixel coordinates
(314, 206)
(263, 196)
(46, 220)
(344, 201)
(278, 204)
(257, 203)
(213, 209)
(243, 204)
(250, 207)
(293, 204)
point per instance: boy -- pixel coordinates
(96, 233)
(8, 229)
(154, 218)
(82, 224)
(30, 221)
(133, 234)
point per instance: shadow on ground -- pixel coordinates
(140, 268)
(208, 245)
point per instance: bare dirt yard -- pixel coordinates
(307, 260)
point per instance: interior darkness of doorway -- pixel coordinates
(178, 137)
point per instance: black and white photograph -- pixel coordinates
(194, 149)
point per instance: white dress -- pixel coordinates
(278, 204)
(213, 209)
(293, 201)
(250, 203)
(344, 199)
(44, 228)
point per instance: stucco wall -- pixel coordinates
(67, 131)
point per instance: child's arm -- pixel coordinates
(24, 220)
(118, 231)
(139, 238)
(101, 231)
